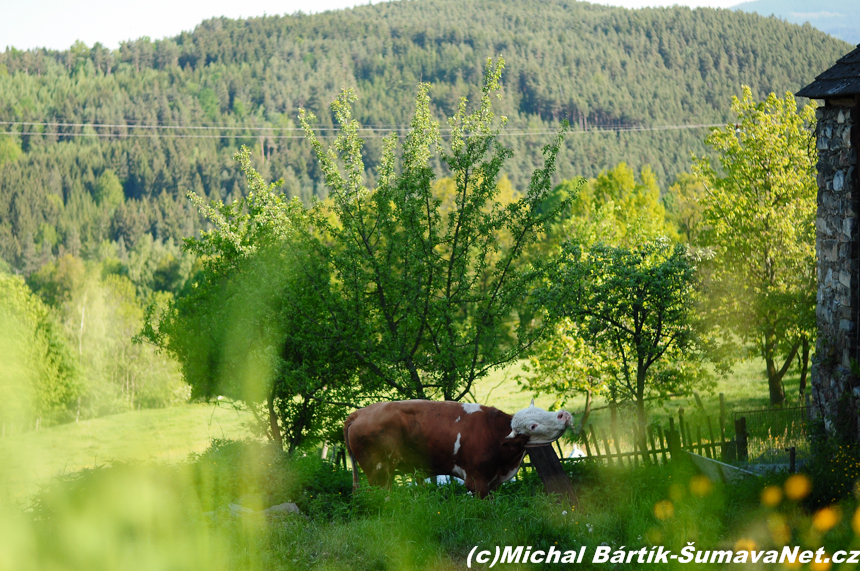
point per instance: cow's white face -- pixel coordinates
(541, 426)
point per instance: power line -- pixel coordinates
(168, 135)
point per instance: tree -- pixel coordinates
(685, 206)
(108, 192)
(246, 325)
(615, 208)
(426, 294)
(759, 217)
(635, 307)
(39, 379)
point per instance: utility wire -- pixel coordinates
(168, 135)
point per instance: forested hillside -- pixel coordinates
(164, 117)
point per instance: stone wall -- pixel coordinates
(834, 388)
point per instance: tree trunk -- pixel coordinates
(774, 376)
(804, 366)
(273, 422)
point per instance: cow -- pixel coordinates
(479, 444)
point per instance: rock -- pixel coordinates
(285, 508)
(236, 509)
(838, 180)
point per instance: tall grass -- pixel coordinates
(155, 516)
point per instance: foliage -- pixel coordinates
(425, 286)
(258, 475)
(759, 216)
(566, 364)
(99, 313)
(247, 327)
(685, 206)
(617, 209)
(39, 379)
(635, 307)
(833, 470)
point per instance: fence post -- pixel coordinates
(722, 417)
(670, 439)
(551, 472)
(741, 438)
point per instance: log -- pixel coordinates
(551, 473)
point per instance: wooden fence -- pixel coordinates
(659, 444)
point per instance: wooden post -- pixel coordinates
(741, 438)
(551, 473)
(722, 417)
(653, 447)
(792, 457)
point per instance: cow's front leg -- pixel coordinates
(478, 486)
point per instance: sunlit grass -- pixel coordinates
(164, 435)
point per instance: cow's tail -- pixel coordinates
(346, 426)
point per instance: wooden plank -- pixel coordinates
(642, 445)
(608, 450)
(701, 444)
(551, 473)
(722, 417)
(585, 439)
(713, 441)
(663, 444)
(718, 471)
(741, 438)
(613, 426)
(596, 443)
(651, 441)
(689, 436)
(682, 427)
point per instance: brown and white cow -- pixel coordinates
(481, 445)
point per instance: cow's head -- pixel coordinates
(538, 425)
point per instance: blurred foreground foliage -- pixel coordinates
(149, 516)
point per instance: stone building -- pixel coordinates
(835, 393)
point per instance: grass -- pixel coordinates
(129, 496)
(155, 517)
(170, 435)
(162, 435)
